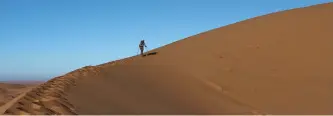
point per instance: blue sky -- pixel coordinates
(40, 39)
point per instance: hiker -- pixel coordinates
(141, 45)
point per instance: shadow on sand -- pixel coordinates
(150, 53)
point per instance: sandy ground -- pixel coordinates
(280, 63)
(144, 90)
(10, 92)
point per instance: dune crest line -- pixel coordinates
(49, 98)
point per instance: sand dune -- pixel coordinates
(280, 63)
(10, 92)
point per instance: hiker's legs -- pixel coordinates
(141, 49)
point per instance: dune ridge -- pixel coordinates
(49, 97)
(279, 63)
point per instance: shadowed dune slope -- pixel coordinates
(280, 63)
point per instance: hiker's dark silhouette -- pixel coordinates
(141, 46)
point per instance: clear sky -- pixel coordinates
(40, 39)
